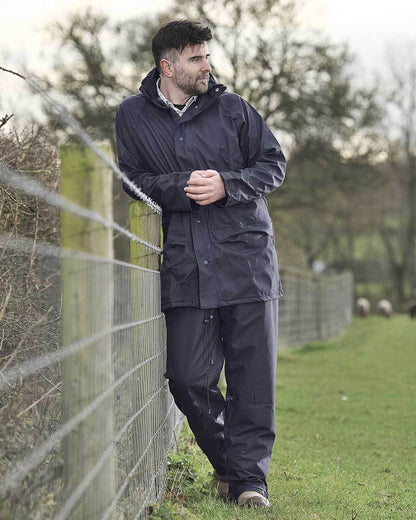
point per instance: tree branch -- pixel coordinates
(12, 72)
(4, 119)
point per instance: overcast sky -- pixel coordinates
(367, 25)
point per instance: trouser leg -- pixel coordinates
(250, 345)
(194, 361)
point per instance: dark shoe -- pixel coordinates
(220, 485)
(252, 499)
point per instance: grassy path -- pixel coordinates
(346, 434)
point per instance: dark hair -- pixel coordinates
(177, 35)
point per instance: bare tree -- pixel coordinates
(398, 231)
(98, 63)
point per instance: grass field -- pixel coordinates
(346, 434)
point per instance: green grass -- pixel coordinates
(346, 434)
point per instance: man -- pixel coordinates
(208, 159)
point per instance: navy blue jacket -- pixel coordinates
(222, 253)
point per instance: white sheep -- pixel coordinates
(362, 306)
(385, 308)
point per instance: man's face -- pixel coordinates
(191, 69)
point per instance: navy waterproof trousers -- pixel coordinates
(235, 433)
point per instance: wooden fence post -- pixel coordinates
(87, 288)
(144, 223)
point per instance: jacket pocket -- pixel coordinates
(244, 233)
(178, 237)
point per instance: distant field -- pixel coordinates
(346, 440)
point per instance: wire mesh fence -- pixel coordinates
(86, 419)
(314, 307)
(43, 445)
(114, 435)
(101, 452)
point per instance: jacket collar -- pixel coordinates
(149, 90)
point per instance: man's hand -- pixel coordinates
(205, 187)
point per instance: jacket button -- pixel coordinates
(217, 89)
(197, 220)
(206, 262)
(180, 138)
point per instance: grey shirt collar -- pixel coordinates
(168, 103)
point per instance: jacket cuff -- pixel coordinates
(227, 200)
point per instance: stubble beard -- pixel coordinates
(191, 86)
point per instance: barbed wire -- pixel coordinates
(70, 121)
(66, 118)
(32, 187)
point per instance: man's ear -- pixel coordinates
(166, 67)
